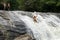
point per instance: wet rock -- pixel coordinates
(24, 37)
(12, 27)
(20, 26)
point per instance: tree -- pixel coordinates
(14, 4)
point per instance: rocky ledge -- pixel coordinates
(12, 28)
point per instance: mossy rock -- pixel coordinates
(1, 26)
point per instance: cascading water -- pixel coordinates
(47, 27)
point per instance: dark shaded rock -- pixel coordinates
(20, 27)
(1, 36)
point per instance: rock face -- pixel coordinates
(24, 37)
(11, 27)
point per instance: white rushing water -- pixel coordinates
(47, 27)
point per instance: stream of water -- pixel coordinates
(47, 27)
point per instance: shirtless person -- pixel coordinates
(35, 17)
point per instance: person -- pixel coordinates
(4, 4)
(8, 6)
(34, 17)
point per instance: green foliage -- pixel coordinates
(35, 5)
(14, 4)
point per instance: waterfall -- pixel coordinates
(47, 27)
